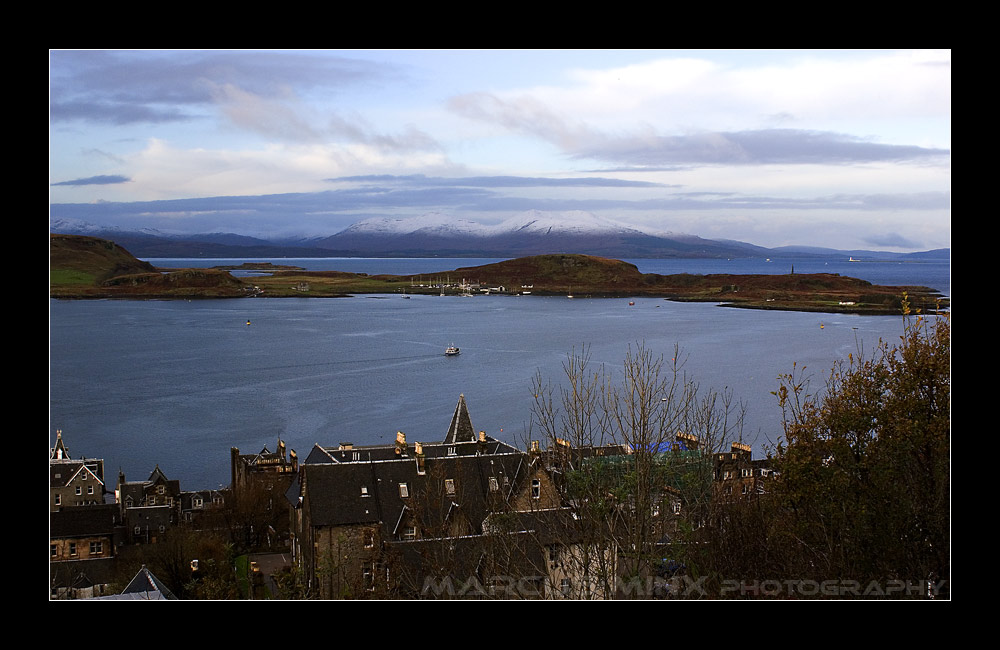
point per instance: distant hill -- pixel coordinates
(82, 266)
(93, 258)
(435, 235)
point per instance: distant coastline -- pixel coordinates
(85, 267)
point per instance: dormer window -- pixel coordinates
(364, 490)
(449, 486)
(404, 490)
(536, 488)
(160, 489)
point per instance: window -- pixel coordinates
(53, 550)
(138, 530)
(90, 489)
(536, 488)
(368, 576)
(369, 538)
(451, 451)
(72, 549)
(494, 486)
(58, 499)
(449, 486)
(410, 532)
(79, 490)
(152, 501)
(96, 548)
(364, 490)
(160, 489)
(197, 502)
(404, 490)
(677, 507)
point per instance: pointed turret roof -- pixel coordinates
(59, 452)
(461, 425)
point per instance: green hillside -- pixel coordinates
(88, 267)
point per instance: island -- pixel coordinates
(86, 267)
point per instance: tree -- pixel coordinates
(622, 462)
(865, 467)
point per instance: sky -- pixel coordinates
(847, 149)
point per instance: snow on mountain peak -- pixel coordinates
(430, 223)
(567, 222)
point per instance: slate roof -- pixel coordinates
(460, 429)
(369, 492)
(83, 521)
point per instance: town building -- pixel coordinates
(148, 509)
(739, 476)
(73, 482)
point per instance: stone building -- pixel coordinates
(369, 520)
(73, 482)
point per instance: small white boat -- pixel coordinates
(451, 351)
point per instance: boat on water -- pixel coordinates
(451, 351)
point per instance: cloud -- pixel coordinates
(119, 87)
(645, 147)
(892, 240)
(97, 180)
(495, 181)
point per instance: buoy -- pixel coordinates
(248, 323)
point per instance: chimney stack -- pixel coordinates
(418, 450)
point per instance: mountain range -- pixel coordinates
(437, 235)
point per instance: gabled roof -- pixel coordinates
(146, 586)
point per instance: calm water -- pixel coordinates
(179, 383)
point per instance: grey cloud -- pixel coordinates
(893, 240)
(752, 147)
(344, 206)
(96, 180)
(495, 181)
(767, 146)
(135, 87)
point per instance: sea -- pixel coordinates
(177, 384)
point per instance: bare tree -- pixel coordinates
(629, 455)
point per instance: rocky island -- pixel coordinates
(87, 267)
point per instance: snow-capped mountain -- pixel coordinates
(431, 223)
(530, 233)
(80, 227)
